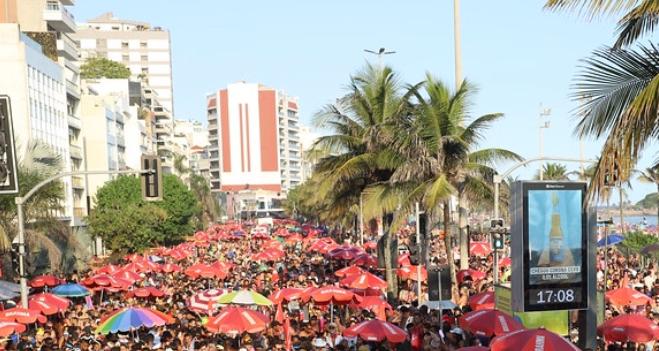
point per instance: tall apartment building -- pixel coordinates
(255, 150)
(144, 49)
(192, 140)
(43, 36)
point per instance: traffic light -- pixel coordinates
(415, 253)
(498, 241)
(8, 174)
(151, 181)
(15, 259)
(498, 232)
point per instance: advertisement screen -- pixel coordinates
(554, 246)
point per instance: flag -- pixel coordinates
(287, 334)
(279, 315)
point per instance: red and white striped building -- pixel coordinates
(255, 149)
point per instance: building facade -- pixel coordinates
(49, 25)
(144, 49)
(255, 151)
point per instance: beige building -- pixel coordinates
(144, 49)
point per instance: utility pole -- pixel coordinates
(544, 112)
(418, 250)
(458, 46)
(361, 219)
(380, 54)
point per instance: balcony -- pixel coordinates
(76, 152)
(72, 89)
(67, 48)
(77, 182)
(79, 212)
(120, 139)
(58, 17)
(75, 122)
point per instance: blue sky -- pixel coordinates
(517, 54)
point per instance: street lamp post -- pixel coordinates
(380, 54)
(543, 125)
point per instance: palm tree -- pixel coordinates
(651, 175)
(46, 236)
(440, 156)
(180, 165)
(210, 207)
(553, 171)
(359, 149)
(620, 86)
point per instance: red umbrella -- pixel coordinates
(348, 271)
(365, 260)
(205, 301)
(627, 297)
(628, 327)
(480, 248)
(170, 268)
(363, 281)
(48, 304)
(505, 262)
(404, 260)
(375, 304)
(531, 340)
(109, 269)
(148, 291)
(344, 253)
(370, 245)
(205, 271)
(482, 301)
(7, 328)
(22, 315)
(286, 294)
(489, 323)
(127, 275)
(377, 330)
(44, 280)
(472, 273)
(410, 273)
(235, 320)
(333, 294)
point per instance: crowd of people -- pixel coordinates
(307, 326)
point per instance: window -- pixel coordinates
(124, 58)
(145, 70)
(115, 27)
(143, 44)
(124, 44)
(144, 58)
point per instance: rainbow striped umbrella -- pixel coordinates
(130, 318)
(244, 297)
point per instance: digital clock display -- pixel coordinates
(542, 297)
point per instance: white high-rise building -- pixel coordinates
(144, 49)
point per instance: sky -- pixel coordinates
(518, 55)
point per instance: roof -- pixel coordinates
(108, 17)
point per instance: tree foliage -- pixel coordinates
(128, 223)
(100, 67)
(635, 241)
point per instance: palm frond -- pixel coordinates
(590, 8)
(493, 156)
(639, 21)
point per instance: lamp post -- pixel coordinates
(543, 125)
(380, 54)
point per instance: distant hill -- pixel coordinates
(650, 201)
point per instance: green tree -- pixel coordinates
(651, 175)
(635, 241)
(99, 67)
(50, 243)
(119, 199)
(618, 88)
(553, 171)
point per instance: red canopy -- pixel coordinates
(531, 340)
(344, 253)
(48, 304)
(7, 328)
(109, 269)
(377, 330)
(480, 248)
(148, 291)
(332, 294)
(365, 260)
(348, 271)
(482, 301)
(505, 262)
(235, 320)
(44, 280)
(286, 294)
(201, 270)
(206, 301)
(364, 280)
(629, 327)
(474, 274)
(170, 267)
(627, 297)
(410, 273)
(489, 323)
(22, 315)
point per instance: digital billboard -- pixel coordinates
(550, 231)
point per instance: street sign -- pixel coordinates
(151, 182)
(8, 169)
(549, 246)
